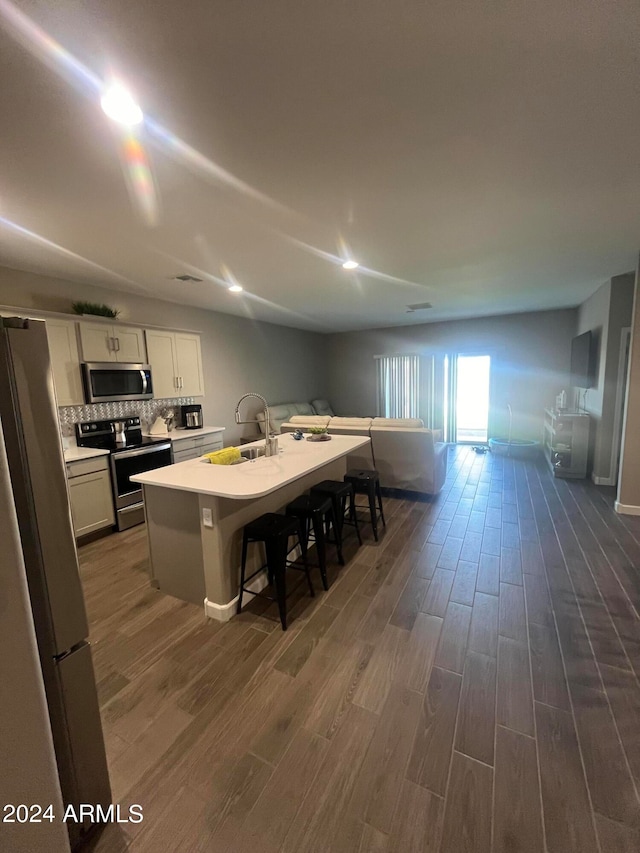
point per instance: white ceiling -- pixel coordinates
(482, 157)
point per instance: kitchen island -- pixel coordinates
(196, 511)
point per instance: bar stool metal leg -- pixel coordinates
(277, 556)
(337, 534)
(379, 495)
(243, 567)
(353, 515)
(321, 548)
(303, 548)
(372, 510)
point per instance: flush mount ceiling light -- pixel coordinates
(350, 265)
(235, 288)
(119, 105)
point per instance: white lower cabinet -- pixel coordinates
(191, 448)
(90, 495)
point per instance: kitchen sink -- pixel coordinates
(252, 452)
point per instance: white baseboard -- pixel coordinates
(604, 481)
(626, 509)
(224, 612)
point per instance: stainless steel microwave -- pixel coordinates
(105, 381)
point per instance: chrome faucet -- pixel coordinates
(271, 440)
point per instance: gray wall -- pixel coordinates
(605, 314)
(28, 770)
(284, 365)
(530, 362)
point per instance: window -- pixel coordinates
(398, 382)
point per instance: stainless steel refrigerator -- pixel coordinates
(38, 481)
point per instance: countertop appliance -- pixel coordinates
(191, 416)
(107, 381)
(31, 431)
(130, 453)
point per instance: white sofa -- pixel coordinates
(406, 455)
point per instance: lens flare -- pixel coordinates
(118, 103)
(350, 265)
(57, 249)
(47, 49)
(139, 178)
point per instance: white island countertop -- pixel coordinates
(180, 433)
(254, 478)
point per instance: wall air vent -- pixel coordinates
(419, 306)
(186, 277)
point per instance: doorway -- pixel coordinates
(472, 398)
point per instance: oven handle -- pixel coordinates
(142, 451)
(143, 376)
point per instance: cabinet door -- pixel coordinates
(91, 503)
(65, 362)
(130, 345)
(161, 352)
(184, 455)
(189, 362)
(97, 342)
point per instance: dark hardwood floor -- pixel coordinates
(469, 683)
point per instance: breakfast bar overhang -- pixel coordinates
(196, 511)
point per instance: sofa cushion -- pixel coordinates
(322, 407)
(310, 420)
(281, 412)
(398, 423)
(350, 422)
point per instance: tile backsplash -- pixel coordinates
(147, 411)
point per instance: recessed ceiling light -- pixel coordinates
(350, 265)
(119, 105)
(235, 288)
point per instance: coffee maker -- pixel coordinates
(191, 416)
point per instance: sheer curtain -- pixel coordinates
(398, 386)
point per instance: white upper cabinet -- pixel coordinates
(189, 364)
(176, 364)
(65, 362)
(162, 358)
(108, 342)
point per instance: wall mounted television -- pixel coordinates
(582, 361)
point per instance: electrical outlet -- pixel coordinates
(207, 518)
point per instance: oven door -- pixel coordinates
(105, 381)
(136, 460)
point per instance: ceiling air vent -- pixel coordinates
(186, 277)
(419, 306)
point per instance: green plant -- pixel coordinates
(96, 308)
(317, 430)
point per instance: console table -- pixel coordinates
(566, 442)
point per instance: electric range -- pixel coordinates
(130, 453)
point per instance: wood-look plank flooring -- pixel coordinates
(469, 683)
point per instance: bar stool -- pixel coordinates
(340, 493)
(274, 530)
(367, 482)
(316, 510)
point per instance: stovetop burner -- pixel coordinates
(102, 435)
